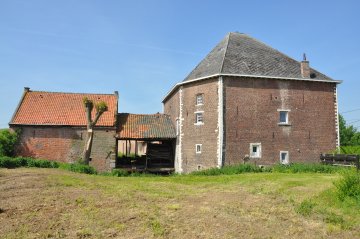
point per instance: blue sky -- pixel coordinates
(143, 48)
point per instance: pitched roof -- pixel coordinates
(240, 54)
(140, 126)
(55, 108)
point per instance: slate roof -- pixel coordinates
(141, 126)
(241, 54)
(61, 109)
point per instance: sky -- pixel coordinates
(142, 48)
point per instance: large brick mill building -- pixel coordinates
(245, 101)
(248, 101)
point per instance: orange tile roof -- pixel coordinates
(55, 108)
(140, 126)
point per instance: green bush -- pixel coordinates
(8, 140)
(349, 186)
(119, 173)
(78, 168)
(8, 162)
(229, 170)
(306, 168)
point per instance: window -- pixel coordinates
(198, 148)
(199, 99)
(255, 150)
(284, 157)
(283, 116)
(199, 118)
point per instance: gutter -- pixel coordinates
(243, 75)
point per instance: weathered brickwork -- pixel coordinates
(66, 144)
(251, 116)
(193, 134)
(172, 107)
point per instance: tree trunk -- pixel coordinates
(88, 146)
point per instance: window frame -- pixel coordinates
(197, 122)
(196, 148)
(286, 117)
(258, 145)
(199, 96)
(287, 158)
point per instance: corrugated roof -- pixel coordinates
(240, 54)
(55, 108)
(141, 126)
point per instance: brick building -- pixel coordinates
(248, 101)
(53, 127)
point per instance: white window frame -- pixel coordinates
(198, 97)
(258, 155)
(286, 161)
(198, 148)
(197, 122)
(286, 116)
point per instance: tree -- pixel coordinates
(100, 107)
(8, 141)
(349, 136)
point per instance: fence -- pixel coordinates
(341, 159)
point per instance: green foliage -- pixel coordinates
(349, 186)
(119, 172)
(350, 149)
(101, 106)
(305, 208)
(87, 101)
(78, 168)
(229, 170)
(349, 136)
(8, 162)
(8, 140)
(306, 168)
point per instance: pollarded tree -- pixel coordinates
(100, 107)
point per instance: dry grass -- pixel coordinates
(51, 203)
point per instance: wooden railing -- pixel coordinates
(341, 159)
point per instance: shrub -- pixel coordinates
(229, 170)
(78, 168)
(306, 168)
(348, 186)
(8, 140)
(7, 162)
(119, 173)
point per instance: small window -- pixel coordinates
(255, 150)
(284, 157)
(199, 118)
(199, 99)
(198, 148)
(283, 116)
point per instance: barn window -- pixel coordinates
(284, 157)
(199, 99)
(255, 150)
(199, 118)
(283, 117)
(198, 148)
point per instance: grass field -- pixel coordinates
(53, 203)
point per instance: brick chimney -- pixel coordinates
(26, 89)
(305, 68)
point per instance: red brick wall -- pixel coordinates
(172, 108)
(251, 116)
(205, 134)
(66, 144)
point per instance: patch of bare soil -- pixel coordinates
(34, 205)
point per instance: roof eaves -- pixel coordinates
(243, 75)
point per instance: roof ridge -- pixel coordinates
(73, 93)
(226, 48)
